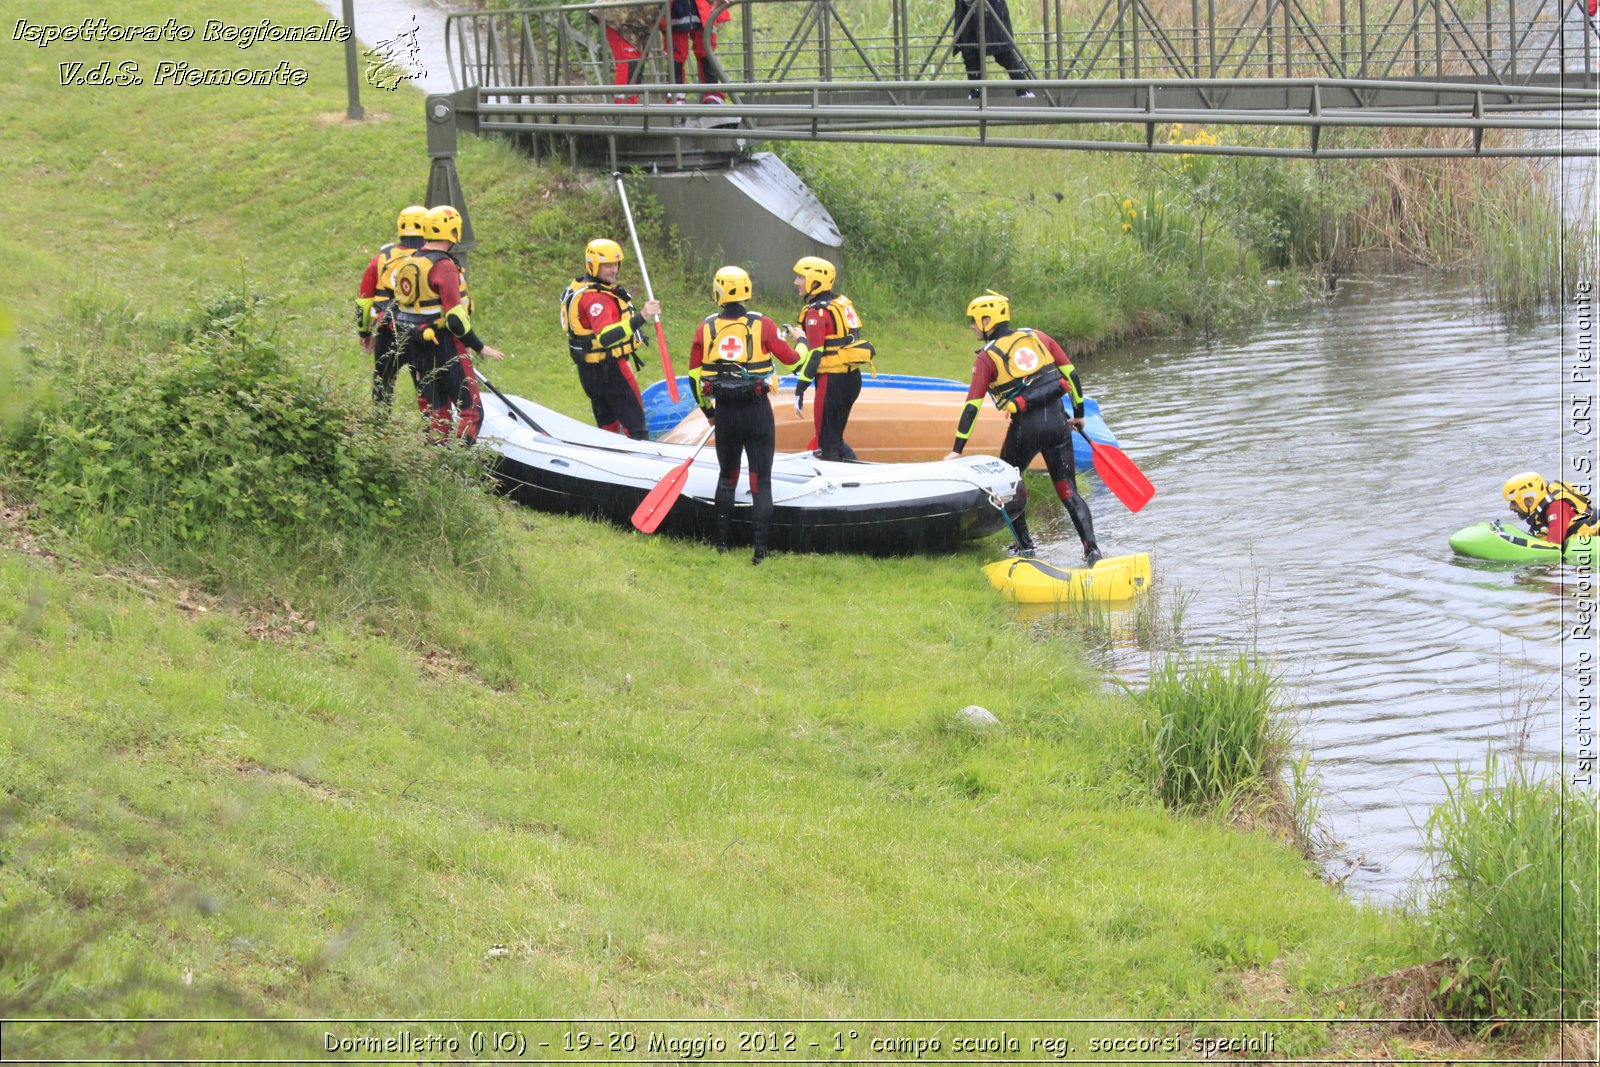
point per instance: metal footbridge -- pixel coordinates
(1290, 78)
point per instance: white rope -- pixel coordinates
(819, 482)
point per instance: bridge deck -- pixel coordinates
(1115, 78)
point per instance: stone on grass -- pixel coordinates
(975, 718)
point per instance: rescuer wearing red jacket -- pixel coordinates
(832, 355)
(603, 333)
(691, 20)
(433, 317)
(730, 372)
(1554, 511)
(1025, 372)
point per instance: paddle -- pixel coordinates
(661, 338)
(652, 510)
(1121, 475)
(516, 411)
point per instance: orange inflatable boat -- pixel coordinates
(897, 423)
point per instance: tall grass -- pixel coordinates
(1513, 902)
(1502, 217)
(1219, 739)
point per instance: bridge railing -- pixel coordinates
(1501, 42)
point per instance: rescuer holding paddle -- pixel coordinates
(603, 334)
(1026, 373)
(730, 367)
(433, 326)
(832, 353)
(375, 303)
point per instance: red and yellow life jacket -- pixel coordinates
(733, 347)
(1583, 519)
(843, 349)
(1020, 360)
(415, 301)
(585, 344)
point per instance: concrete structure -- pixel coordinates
(756, 213)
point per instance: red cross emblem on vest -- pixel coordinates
(731, 348)
(1026, 357)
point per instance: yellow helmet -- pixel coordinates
(598, 251)
(731, 286)
(411, 221)
(1524, 492)
(442, 223)
(818, 273)
(990, 305)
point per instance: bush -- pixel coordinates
(211, 437)
(925, 237)
(1513, 897)
(1217, 734)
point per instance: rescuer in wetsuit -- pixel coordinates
(832, 355)
(375, 303)
(1025, 372)
(1554, 511)
(433, 322)
(603, 334)
(730, 371)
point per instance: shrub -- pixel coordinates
(925, 236)
(1217, 734)
(212, 437)
(1513, 898)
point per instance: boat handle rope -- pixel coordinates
(818, 483)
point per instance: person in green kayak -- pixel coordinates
(1026, 373)
(1554, 511)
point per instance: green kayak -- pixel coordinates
(1507, 544)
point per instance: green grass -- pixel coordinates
(664, 782)
(326, 828)
(1513, 907)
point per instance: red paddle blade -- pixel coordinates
(652, 510)
(1122, 476)
(666, 363)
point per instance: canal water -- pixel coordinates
(1307, 481)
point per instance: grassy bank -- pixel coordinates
(575, 772)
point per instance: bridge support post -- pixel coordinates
(444, 184)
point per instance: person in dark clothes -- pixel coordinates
(983, 28)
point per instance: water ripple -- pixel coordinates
(1308, 478)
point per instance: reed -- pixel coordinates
(1217, 735)
(1504, 217)
(1513, 897)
